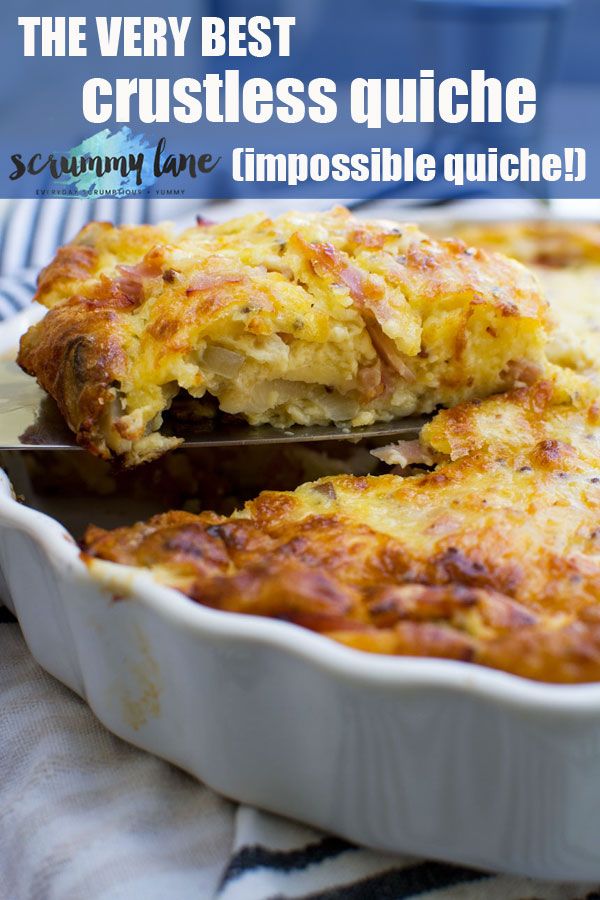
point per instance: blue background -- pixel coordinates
(553, 42)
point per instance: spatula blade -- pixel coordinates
(30, 420)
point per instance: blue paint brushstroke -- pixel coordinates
(121, 143)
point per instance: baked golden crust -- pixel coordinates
(565, 257)
(302, 319)
(552, 243)
(493, 557)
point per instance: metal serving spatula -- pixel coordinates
(30, 420)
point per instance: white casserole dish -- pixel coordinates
(430, 757)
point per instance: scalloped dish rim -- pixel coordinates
(388, 672)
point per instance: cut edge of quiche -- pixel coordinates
(302, 319)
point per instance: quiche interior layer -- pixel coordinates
(305, 319)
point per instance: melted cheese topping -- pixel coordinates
(493, 557)
(303, 319)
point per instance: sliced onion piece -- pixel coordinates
(223, 361)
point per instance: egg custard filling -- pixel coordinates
(303, 319)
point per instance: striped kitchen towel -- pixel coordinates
(31, 230)
(84, 815)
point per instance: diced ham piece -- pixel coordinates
(205, 281)
(522, 371)
(131, 278)
(368, 296)
(370, 381)
(387, 350)
(404, 454)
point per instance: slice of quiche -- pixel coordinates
(492, 557)
(306, 319)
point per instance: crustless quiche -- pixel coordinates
(483, 545)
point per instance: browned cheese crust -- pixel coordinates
(493, 557)
(552, 243)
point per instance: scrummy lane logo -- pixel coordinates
(119, 162)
